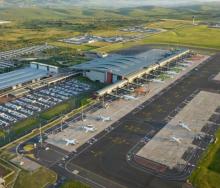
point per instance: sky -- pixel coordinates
(148, 2)
(107, 3)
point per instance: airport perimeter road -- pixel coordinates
(107, 157)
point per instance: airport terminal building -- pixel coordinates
(120, 67)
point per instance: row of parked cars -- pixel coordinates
(39, 100)
(24, 51)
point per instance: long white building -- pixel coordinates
(118, 70)
(118, 67)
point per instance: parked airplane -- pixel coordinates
(171, 72)
(185, 64)
(129, 97)
(70, 141)
(175, 139)
(103, 118)
(184, 126)
(199, 137)
(181, 67)
(89, 128)
(157, 81)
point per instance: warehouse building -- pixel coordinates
(116, 67)
(35, 72)
(16, 78)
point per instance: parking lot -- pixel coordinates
(39, 100)
(23, 51)
(141, 29)
(88, 39)
(6, 65)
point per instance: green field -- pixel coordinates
(207, 173)
(190, 36)
(197, 36)
(163, 77)
(57, 110)
(2, 133)
(74, 184)
(40, 178)
(25, 125)
(215, 163)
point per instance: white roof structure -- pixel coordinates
(124, 65)
(20, 76)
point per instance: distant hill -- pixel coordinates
(97, 3)
(35, 12)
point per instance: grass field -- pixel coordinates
(198, 36)
(163, 77)
(2, 133)
(40, 178)
(74, 184)
(25, 125)
(72, 46)
(15, 38)
(56, 111)
(65, 107)
(28, 147)
(4, 170)
(190, 36)
(207, 174)
(169, 24)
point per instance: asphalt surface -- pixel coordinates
(107, 158)
(105, 164)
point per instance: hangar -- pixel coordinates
(117, 67)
